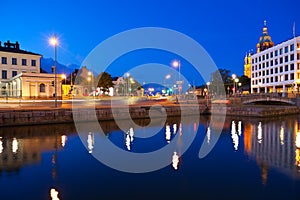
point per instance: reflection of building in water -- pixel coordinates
(272, 145)
(129, 137)
(175, 160)
(234, 136)
(14, 152)
(168, 133)
(90, 142)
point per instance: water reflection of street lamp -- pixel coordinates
(54, 42)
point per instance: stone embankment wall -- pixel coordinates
(61, 115)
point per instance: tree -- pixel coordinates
(104, 81)
(220, 78)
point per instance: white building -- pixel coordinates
(275, 69)
(20, 74)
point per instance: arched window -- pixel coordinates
(42, 87)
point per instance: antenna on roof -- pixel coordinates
(294, 29)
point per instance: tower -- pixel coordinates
(265, 40)
(247, 65)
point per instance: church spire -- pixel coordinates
(265, 40)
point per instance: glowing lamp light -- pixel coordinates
(53, 41)
(175, 63)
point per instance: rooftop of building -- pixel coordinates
(14, 48)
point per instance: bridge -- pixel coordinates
(269, 98)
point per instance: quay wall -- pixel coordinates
(26, 116)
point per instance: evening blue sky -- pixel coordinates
(226, 29)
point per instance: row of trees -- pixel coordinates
(223, 78)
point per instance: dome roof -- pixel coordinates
(265, 40)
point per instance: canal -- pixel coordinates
(252, 159)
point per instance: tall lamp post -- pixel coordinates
(233, 78)
(176, 64)
(54, 42)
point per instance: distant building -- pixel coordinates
(274, 68)
(20, 74)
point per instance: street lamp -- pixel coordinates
(176, 64)
(233, 76)
(54, 42)
(236, 80)
(63, 76)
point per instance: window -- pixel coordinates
(276, 78)
(263, 57)
(4, 74)
(292, 76)
(276, 53)
(286, 49)
(276, 61)
(259, 58)
(263, 81)
(252, 75)
(33, 63)
(276, 70)
(271, 71)
(286, 68)
(291, 57)
(14, 61)
(286, 59)
(292, 47)
(255, 67)
(286, 77)
(256, 60)
(280, 51)
(267, 56)
(263, 73)
(298, 66)
(42, 87)
(281, 60)
(271, 54)
(259, 67)
(4, 60)
(292, 67)
(252, 61)
(264, 65)
(298, 75)
(298, 56)
(267, 80)
(259, 73)
(281, 69)
(271, 64)
(24, 62)
(271, 79)
(252, 68)
(14, 73)
(267, 72)
(267, 63)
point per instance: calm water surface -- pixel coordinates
(253, 159)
